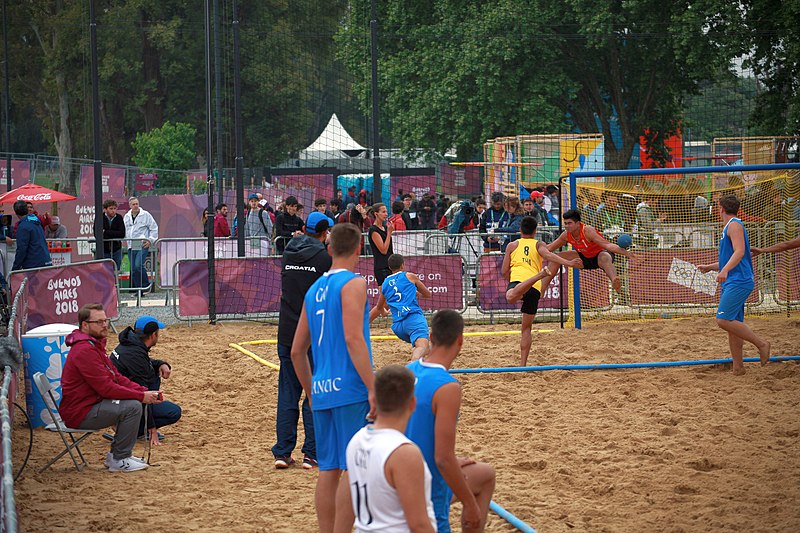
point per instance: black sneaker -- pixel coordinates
(282, 463)
(309, 463)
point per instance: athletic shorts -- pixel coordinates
(590, 263)
(441, 509)
(731, 302)
(412, 327)
(333, 429)
(530, 301)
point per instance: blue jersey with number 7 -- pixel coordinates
(401, 296)
(335, 381)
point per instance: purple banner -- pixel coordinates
(20, 174)
(56, 293)
(419, 185)
(461, 182)
(492, 287)
(113, 182)
(321, 184)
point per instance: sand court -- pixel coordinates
(679, 449)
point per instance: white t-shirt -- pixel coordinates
(375, 502)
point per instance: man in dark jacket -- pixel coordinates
(94, 395)
(132, 359)
(287, 224)
(304, 261)
(113, 229)
(32, 249)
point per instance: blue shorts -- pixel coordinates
(731, 302)
(441, 509)
(333, 429)
(411, 328)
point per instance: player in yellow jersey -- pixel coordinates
(522, 267)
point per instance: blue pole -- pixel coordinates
(576, 273)
(510, 518)
(614, 366)
(680, 170)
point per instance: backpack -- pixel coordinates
(460, 216)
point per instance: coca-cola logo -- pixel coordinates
(40, 197)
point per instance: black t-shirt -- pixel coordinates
(381, 260)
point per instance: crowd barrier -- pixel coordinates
(55, 294)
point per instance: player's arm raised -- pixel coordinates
(354, 298)
(300, 345)
(560, 242)
(405, 471)
(592, 235)
(422, 290)
(446, 403)
(506, 268)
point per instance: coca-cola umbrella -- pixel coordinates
(36, 194)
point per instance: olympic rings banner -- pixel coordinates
(56, 293)
(253, 285)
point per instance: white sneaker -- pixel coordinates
(126, 465)
(109, 460)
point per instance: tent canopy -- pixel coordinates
(333, 140)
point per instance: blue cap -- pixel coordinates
(317, 222)
(144, 324)
(253, 196)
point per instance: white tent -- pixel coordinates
(333, 143)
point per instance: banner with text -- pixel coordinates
(56, 293)
(492, 287)
(113, 182)
(419, 185)
(20, 174)
(172, 251)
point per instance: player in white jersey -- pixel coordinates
(390, 484)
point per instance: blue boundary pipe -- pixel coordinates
(614, 366)
(682, 170)
(510, 518)
(576, 273)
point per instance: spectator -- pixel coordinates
(364, 198)
(551, 191)
(142, 230)
(493, 218)
(337, 196)
(441, 208)
(113, 232)
(300, 211)
(221, 227)
(335, 208)
(380, 241)
(515, 216)
(427, 212)
(648, 221)
(95, 395)
(132, 359)
(480, 207)
(399, 197)
(305, 260)
(258, 224)
(355, 214)
(287, 224)
(204, 221)
(610, 216)
(350, 199)
(44, 220)
(537, 209)
(410, 213)
(322, 206)
(397, 216)
(32, 249)
(55, 230)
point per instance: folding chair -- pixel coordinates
(45, 389)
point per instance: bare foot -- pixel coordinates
(739, 371)
(763, 353)
(617, 284)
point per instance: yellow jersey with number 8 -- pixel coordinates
(526, 262)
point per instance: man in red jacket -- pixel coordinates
(95, 395)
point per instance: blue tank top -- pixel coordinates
(335, 381)
(421, 426)
(401, 295)
(741, 274)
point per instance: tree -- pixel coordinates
(170, 147)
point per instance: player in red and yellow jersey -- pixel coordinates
(522, 267)
(589, 247)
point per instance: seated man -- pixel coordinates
(433, 428)
(95, 395)
(400, 292)
(132, 359)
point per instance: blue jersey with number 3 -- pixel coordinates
(335, 381)
(401, 296)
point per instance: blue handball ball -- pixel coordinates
(624, 241)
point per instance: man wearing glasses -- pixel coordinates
(95, 395)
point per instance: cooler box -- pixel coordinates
(44, 350)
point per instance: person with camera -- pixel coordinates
(95, 395)
(132, 359)
(32, 249)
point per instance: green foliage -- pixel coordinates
(170, 147)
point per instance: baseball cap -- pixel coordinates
(55, 221)
(253, 196)
(537, 194)
(148, 324)
(262, 203)
(317, 222)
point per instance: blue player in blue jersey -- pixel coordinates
(433, 428)
(736, 281)
(334, 323)
(399, 292)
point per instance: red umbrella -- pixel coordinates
(35, 194)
